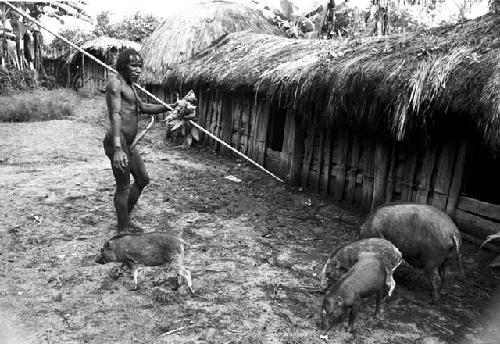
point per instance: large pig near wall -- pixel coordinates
(425, 235)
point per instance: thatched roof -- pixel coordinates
(400, 85)
(193, 28)
(101, 45)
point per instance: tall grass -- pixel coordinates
(38, 105)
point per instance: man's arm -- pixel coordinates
(113, 97)
(152, 108)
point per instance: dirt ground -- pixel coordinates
(256, 252)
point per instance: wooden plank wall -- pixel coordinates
(349, 166)
(237, 119)
(95, 76)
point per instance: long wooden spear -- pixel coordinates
(20, 11)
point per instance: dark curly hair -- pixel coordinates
(124, 59)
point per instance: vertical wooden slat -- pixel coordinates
(444, 173)
(456, 182)
(253, 119)
(391, 177)
(218, 120)
(381, 166)
(353, 169)
(226, 121)
(341, 145)
(213, 113)
(288, 143)
(237, 121)
(368, 168)
(424, 179)
(314, 174)
(327, 154)
(309, 149)
(202, 111)
(293, 148)
(261, 136)
(409, 177)
(245, 118)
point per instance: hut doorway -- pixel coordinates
(275, 138)
(483, 181)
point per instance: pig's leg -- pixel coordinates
(380, 295)
(435, 280)
(443, 272)
(136, 278)
(186, 275)
(352, 315)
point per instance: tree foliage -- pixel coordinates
(134, 28)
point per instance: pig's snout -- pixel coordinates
(99, 259)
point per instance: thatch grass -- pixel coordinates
(101, 45)
(39, 105)
(403, 85)
(192, 29)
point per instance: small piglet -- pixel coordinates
(344, 257)
(425, 235)
(148, 249)
(365, 278)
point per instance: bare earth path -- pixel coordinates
(257, 249)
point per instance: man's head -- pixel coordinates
(129, 64)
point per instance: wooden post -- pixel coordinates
(202, 112)
(325, 177)
(226, 121)
(218, 119)
(382, 159)
(315, 171)
(309, 149)
(293, 148)
(368, 168)
(208, 118)
(245, 118)
(261, 135)
(409, 176)
(253, 119)
(353, 170)
(456, 182)
(237, 123)
(340, 148)
(424, 179)
(444, 174)
(391, 177)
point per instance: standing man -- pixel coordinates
(124, 107)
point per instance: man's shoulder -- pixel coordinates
(114, 84)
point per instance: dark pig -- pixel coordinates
(425, 235)
(344, 257)
(365, 278)
(148, 249)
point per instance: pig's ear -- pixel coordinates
(106, 244)
(339, 301)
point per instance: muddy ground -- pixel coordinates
(256, 252)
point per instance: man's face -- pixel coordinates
(134, 68)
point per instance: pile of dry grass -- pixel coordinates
(192, 29)
(403, 85)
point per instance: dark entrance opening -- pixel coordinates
(276, 129)
(275, 138)
(483, 180)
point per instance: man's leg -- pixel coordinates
(122, 193)
(141, 178)
(122, 180)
